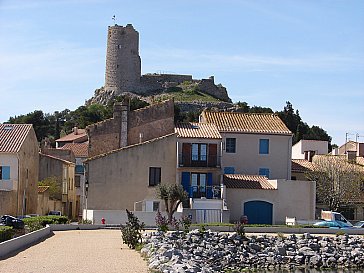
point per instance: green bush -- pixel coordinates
(35, 223)
(6, 233)
(132, 231)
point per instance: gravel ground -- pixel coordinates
(77, 251)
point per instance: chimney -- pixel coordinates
(351, 156)
(117, 110)
(75, 130)
(124, 115)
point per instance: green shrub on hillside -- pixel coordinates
(6, 233)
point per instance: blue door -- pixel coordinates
(259, 212)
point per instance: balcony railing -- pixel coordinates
(211, 161)
(209, 192)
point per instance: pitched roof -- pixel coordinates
(197, 130)
(128, 147)
(246, 122)
(301, 165)
(243, 181)
(57, 158)
(75, 135)
(12, 137)
(79, 149)
(42, 189)
(360, 160)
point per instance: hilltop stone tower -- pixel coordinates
(123, 64)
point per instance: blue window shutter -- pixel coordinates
(186, 183)
(209, 186)
(229, 170)
(264, 146)
(6, 172)
(264, 171)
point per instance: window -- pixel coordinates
(263, 146)
(229, 170)
(155, 206)
(199, 152)
(198, 184)
(77, 181)
(154, 176)
(264, 171)
(230, 145)
(4, 172)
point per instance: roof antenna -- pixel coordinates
(114, 19)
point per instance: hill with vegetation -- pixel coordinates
(189, 102)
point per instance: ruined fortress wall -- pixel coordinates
(123, 64)
(218, 91)
(104, 136)
(150, 78)
(152, 122)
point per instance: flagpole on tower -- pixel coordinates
(114, 19)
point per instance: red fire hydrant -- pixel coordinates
(103, 221)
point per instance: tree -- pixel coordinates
(338, 182)
(55, 190)
(172, 195)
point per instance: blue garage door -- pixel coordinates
(259, 212)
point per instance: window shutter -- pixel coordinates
(229, 170)
(264, 146)
(6, 172)
(186, 183)
(209, 186)
(186, 154)
(212, 155)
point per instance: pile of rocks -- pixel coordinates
(208, 251)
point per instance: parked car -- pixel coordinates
(333, 224)
(359, 224)
(12, 221)
(55, 212)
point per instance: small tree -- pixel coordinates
(132, 231)
(55, 190)
(172, 195)
(338, 182)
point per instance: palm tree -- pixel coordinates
(173, 195)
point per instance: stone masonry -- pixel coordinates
(130, 127)
(123, 70)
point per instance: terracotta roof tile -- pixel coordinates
(246, 122)
(360, 160)
(42, 189)
(197, 130)
(243, 181)
(79, 149)
(301, 165)
(81, 134)
(12, 137)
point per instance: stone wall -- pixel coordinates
(60, 153)
(123, 64)
(142, 125)
(218, 91)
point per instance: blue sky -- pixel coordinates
(311, 53)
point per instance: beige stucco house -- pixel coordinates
(306, 149)
(254, 144)
(126, 178)
(18, 169)
(267, 201)
(64, 173)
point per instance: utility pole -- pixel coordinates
(346, 139)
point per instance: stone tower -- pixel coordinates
(123, 65)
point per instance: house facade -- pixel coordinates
(254, 144)
(18, 169)
(127, 178)
(80, 151)
(306, 149)
(63, 172)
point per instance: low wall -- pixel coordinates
(117, 217)
(23, 241)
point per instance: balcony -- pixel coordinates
(211, 161)
(207, 192)
(7, 185)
